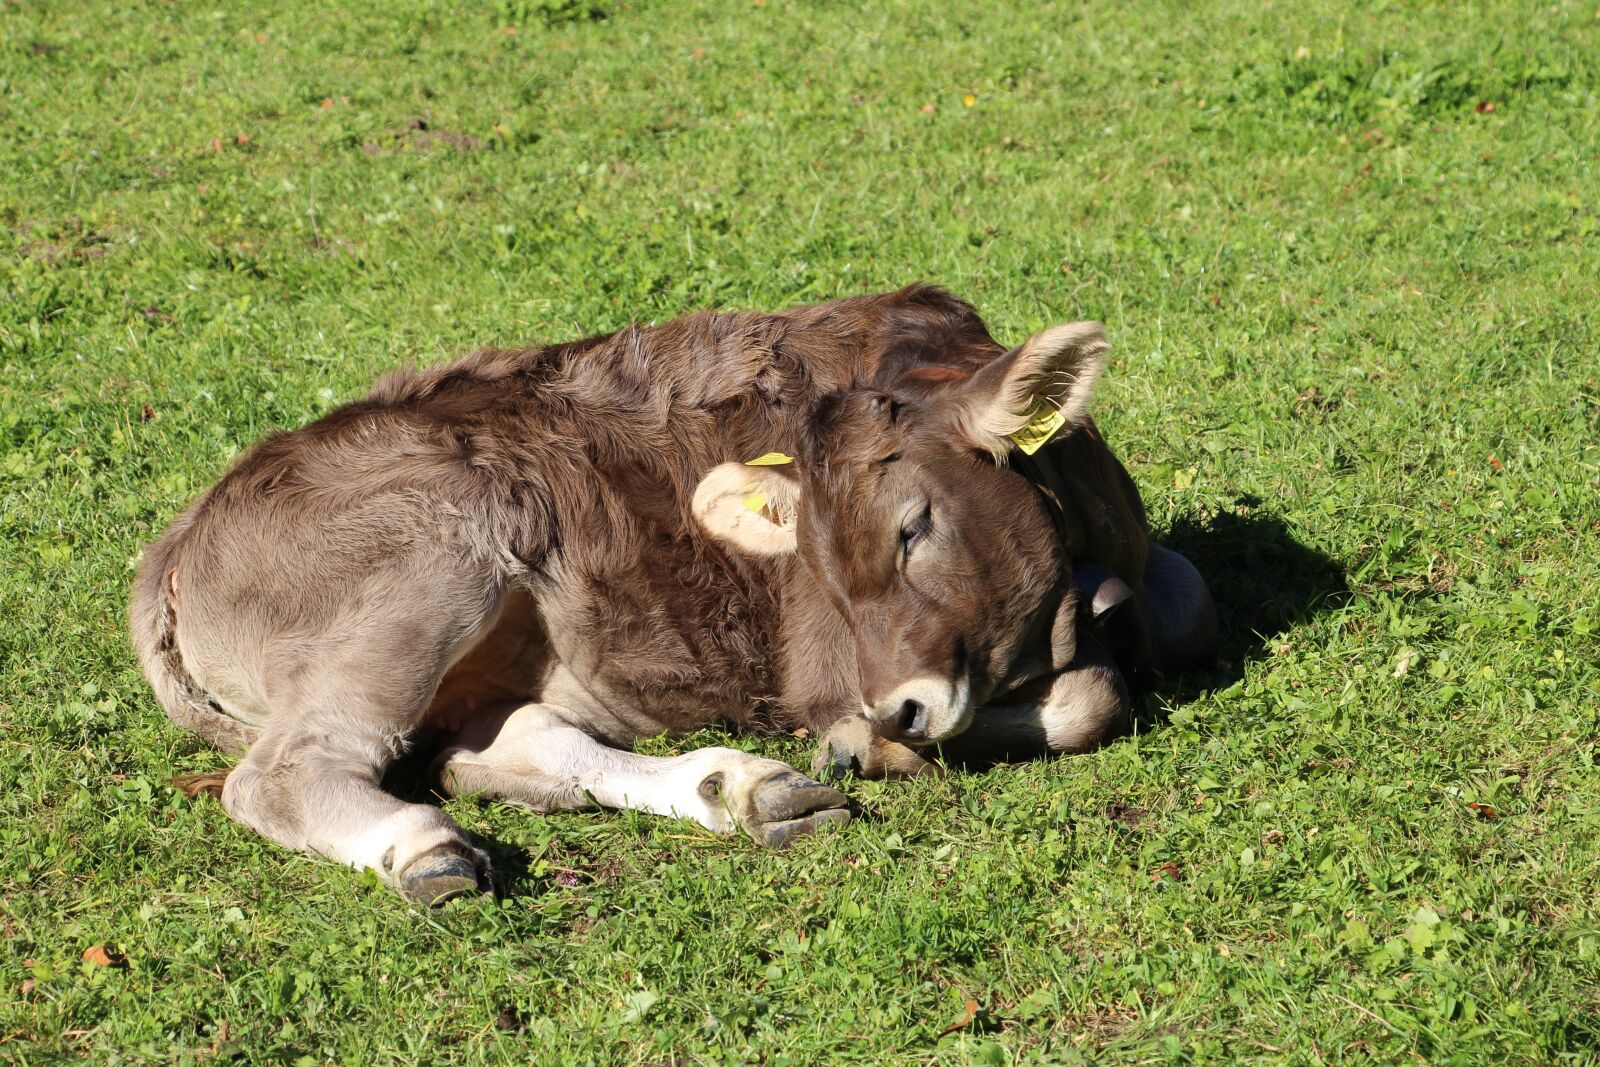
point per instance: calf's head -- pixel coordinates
(945, 564)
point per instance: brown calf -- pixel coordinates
(532, 558)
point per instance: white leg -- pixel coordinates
(539, 758)
(317, 790)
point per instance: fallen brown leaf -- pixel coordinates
(1167, 872)
(1494, 461)
(1482, 811)
(104, 956)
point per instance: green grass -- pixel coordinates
(1356, 372)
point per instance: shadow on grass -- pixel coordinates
(1264, 582)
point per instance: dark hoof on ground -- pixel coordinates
(850, 749)
(790, 805)
(845, 750)
(779, 834)
(833, 764)
(443, 874)
(791, 794)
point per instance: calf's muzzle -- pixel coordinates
(921, 711)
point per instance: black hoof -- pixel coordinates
(834, 763)
(790, 805)
(779, 834)
(791, 795)
(443, 874)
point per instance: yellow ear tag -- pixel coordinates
(1042, 425)
(758, 500)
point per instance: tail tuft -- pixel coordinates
(193, 785)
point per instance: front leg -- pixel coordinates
(536, 756)
(850, 747)
(1074, 710)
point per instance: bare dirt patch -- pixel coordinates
(417, 135)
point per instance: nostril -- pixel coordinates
(912, 720)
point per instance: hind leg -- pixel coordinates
(337, 705)
(314, 788)
(536, 757)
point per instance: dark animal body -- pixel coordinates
(529, 559)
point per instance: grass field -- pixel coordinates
(1349, 255)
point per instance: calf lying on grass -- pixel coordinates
(532, 558)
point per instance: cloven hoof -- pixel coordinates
(790, 805)
(444, 873)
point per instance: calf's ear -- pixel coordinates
(1035, 392)
(752, 508)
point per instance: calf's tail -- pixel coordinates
(153, 618)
